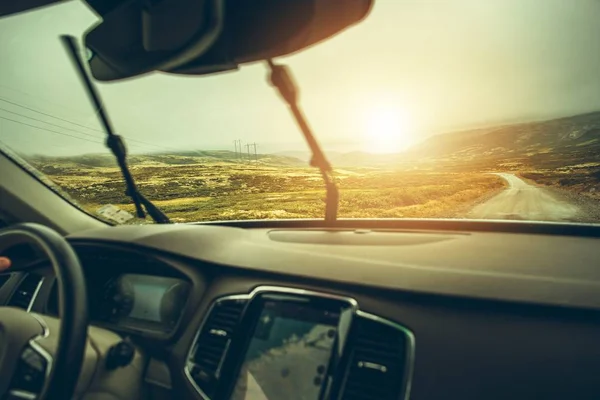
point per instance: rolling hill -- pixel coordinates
(544, 144)
(157, 159)
(350, 159)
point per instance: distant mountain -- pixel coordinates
(544, 143)
(174, 158)
(547, 144)
(363, 159)
(350, 159)
(301, 155)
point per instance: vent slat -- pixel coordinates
(23, 294)
(377, 362)
(205, 353)
(211, 345)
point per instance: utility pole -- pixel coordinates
(255, 155)
(248, 149)
(238, 148)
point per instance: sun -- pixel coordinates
(387, 130)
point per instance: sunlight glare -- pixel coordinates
(387, 130)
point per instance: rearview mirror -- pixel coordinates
(208, 36)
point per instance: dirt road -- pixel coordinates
(526, 202)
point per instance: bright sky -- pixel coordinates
(412, 68)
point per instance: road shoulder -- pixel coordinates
(590, 208)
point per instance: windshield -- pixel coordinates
(456, 109)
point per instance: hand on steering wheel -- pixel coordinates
(4, 263)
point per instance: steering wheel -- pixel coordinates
(30, 366)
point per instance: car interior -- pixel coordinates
(370, 309)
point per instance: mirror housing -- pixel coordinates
(14, 7)
(198, 37)
(134, 39)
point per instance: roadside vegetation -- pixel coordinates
(582, 179)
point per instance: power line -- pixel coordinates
(58, 133)
(50, 130)
(81, 125)
(49, 115)
(37, 97)
(28, 143)
(49, 123)
(59, 126)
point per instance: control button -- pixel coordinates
(30, 373)
(33, 359)
(120, 355)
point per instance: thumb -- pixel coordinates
(4, 263)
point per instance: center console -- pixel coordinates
(283, 343)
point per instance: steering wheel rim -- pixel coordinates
(67, 361)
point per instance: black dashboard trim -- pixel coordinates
(430, 225)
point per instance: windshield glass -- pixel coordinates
(455, 109)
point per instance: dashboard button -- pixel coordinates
(30, 372)
(120, 355)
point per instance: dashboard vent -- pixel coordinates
(380, 361)
(24, 293)
(211, 344)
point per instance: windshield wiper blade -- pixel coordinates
(281, 78)
(114, 142)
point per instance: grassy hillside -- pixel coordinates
(162, 159)
(223, 190)
(562, 153)
(443, 177)
(545, 144)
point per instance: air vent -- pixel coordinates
(25, 292)
(380, 361)
(210, 346)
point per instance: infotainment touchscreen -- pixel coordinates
(289, 352)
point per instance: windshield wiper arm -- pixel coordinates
(281, 78)
(113, 141)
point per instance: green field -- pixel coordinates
(225, 190)
(444, 176)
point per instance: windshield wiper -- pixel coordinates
(281, 78)
(113, 141)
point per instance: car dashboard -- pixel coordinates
(246, 312)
